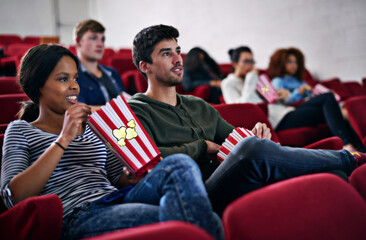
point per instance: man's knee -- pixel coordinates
(250, 148)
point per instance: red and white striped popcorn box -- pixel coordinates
(320, 89)
(118, 127)
(266, 89)
(236, 136)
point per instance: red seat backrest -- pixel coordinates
(168, 230)
(357, 115)
(32, 39)
(125, 52)
(18, 49)
(6, 39)
(244, 115)
(9, 85)
(317, 206)
(128, 79)
(122, 64)
(107, 57)
(225, 68)
(358, 180)
(355, 88)
(10, 105)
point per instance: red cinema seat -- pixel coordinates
(72, 49)
(122, 64)
(32, 39)
(34, 218)
(247, 115)
(354, 88)
(10, 106)
(9, 65)
(358, 180)
(134, 81)
(18, 49)
(107, 57)
(128, 80)
(244, 115)
(357, 115)
(317, 207)
(364, 82)
(9, 85)
(125, 52)
(159, 231)
(140, 82)
(225, 68)
(202, 91)
(6, 39)
(336, 85)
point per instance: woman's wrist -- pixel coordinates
(62, 142)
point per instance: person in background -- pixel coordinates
(201, 69)
(98, 84)
(240, 85)
(187, 124)
(286, 69)
(55, 152)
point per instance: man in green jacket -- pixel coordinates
(186, 124)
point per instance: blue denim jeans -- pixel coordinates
(173, 190)
(254, 163)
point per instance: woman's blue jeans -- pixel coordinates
(173, 190)
(254, 163)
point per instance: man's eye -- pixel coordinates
(166, 54)
(178, 52)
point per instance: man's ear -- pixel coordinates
(144, 67)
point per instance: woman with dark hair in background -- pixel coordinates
(201, 69)
(240, 85)
(57, 153)
(286, 69)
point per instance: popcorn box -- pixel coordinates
(236, 136)
(119, 129)
(266, 89)
(320, 89)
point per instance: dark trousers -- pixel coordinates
(255, 163)
(321, 109)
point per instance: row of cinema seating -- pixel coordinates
(13, 47)
(318, 206)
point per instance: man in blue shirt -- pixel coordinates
(98, 84)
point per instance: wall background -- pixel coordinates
(331, 33)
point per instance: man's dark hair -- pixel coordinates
(146, 40)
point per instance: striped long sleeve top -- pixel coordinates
(86, 171)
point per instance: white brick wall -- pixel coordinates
(331, 33)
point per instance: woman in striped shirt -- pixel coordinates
(52, 151)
